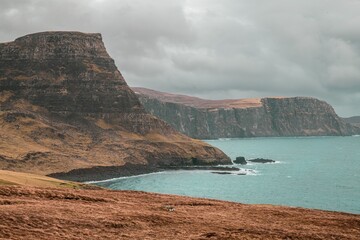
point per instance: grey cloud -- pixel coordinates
(216, 49)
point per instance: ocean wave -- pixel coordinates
(256, 164)
(224, 139)
(118, 178)
(250, 172)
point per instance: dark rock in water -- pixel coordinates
(212, 168)
(240, 160)
(261, 160)
(224, 173)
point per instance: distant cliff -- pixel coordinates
(208, 119)
(64, 105)
(355, 121)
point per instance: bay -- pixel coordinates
(311, 172)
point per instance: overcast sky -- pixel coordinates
(215, 49)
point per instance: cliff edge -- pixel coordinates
(256, 117)
(64, 105)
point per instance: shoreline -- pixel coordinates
(104, 173)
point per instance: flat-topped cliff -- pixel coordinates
(64, 105)
(231, 118)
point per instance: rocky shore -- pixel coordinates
(109, 172)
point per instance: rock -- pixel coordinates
(261, 160)
(222, 173)
(355, 121)
(214, 168)
(265, 117)
(240, 160)
(74, 109)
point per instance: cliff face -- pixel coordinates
(65, 72)
(207, 119)
(64, 105)
(353, 121)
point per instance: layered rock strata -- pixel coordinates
(353, 121)
(64, 105)
(209, 119)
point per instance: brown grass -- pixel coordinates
(40, 213)
(27, 179)
(33, 140)
(198, 102)
(5, 95)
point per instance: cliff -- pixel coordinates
(208, 119)
(353, 121)
(64, 105)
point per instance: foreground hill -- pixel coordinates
(64, 105)
(206, 119)
(40, 213)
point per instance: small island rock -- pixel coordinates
(240, 160)
(261, 160)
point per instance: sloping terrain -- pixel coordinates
(64, 105)
(231, 118)
(9, 178)
(38, 213)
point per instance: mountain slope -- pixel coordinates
(203, 119)
(64, 105)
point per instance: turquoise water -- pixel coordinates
(312, 172)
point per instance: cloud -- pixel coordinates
(216, 49)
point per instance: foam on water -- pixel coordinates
(119, 178)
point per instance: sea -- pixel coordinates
(311, 172)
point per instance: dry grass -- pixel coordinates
(28, 179)
(104, 125)
(5, 95)
(40, 213)
(33, 140)
(198, 102)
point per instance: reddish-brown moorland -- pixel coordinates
(54, 213)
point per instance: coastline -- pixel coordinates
(104, 173)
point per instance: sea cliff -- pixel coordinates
(232, 118)
(64, 105)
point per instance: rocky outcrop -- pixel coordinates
(355, 121)
(209, 119)
(261, 160)
(240, 160)
(64, 105)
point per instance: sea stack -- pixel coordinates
(65, 105)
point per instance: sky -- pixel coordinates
(215, 49)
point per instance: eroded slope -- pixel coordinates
(64, 105)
